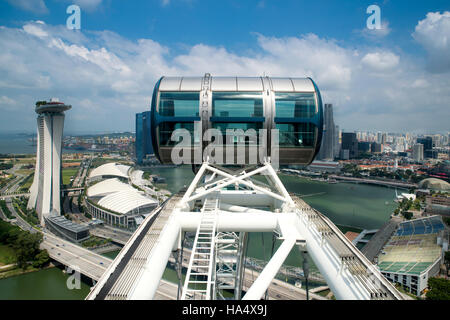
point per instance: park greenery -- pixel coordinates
(94, 241)
(67, 174)
(439, 289)
(406, 205)
(25, 184)
(25, 246)
(29, 215)
(402, 175)
(6, 165)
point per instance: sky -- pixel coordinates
(394, 79)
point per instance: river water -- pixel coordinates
(355, 205)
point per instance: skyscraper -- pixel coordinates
(350, 143)
(45, 190)
(418, 152)
(337, 143)
(143, 143)
(328, 139)
(428, 151)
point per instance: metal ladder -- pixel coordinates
(201, 263)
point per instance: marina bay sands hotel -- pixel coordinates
(45, 190)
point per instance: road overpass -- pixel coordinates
(13, 195)
(77, 258)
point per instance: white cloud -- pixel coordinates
(381, 61)
(108, 78)
(35, 30)
(433, 33)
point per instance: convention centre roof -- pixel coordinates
(110, 169)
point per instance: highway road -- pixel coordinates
(19, 220)
(115, 235)
(87, 262)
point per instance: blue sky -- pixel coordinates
(394, 79)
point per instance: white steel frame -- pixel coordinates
(348, 273)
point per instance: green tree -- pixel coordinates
(408, 215)
(439, 289)
(27, 247)
(447, 258)
(41, 259)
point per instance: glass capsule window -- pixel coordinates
(248, 135)
(295, 105)
(167, 128)
(237, 104)
(296, 135)
(179, 104)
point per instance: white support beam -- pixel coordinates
(247, 183)
(194, 182)
(156, 263)
(261, 284)
(222, 185)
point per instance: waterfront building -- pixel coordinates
(413, 253)
(143, 143)
(418, 152)
(114, 199)
(66, 229)
(325, 166)
(434, 184)
(438, 205)
(45, 194)
(110, 170)
(350, 143)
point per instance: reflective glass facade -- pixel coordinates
(237, 104)
(295, 105)
(178, 104)
(244, 109)
(143, 142)
(296, 135)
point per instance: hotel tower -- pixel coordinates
(45, 190)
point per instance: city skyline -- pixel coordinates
(393, 79)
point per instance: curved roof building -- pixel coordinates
(127, 202)
(110, 170)
(108, 186)
(278, 117)
(434, 184)
(115, 202)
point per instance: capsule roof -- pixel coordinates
(237, 84)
